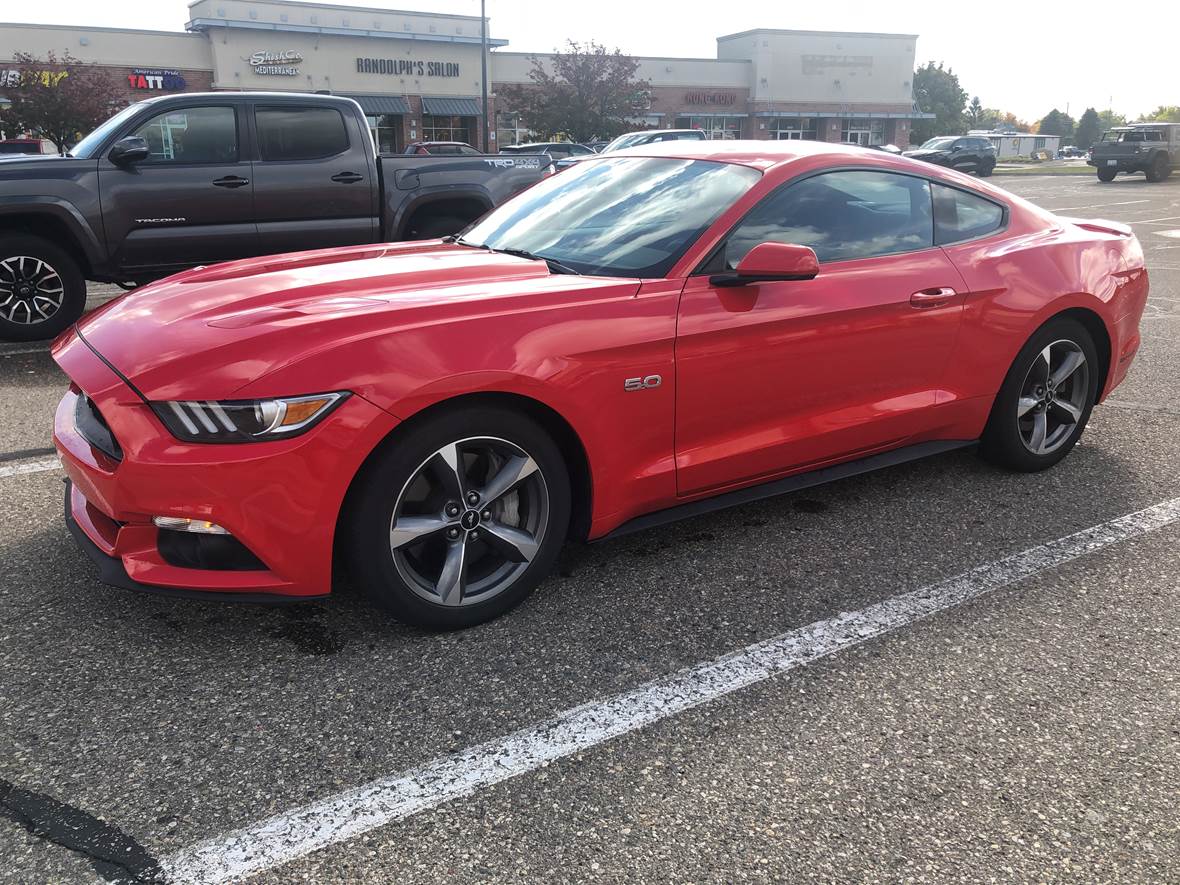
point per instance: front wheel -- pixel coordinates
(458, 520)
(1107, 174)
(41, 289)
(1045, 400)
(987, 169)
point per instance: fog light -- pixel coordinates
(181, 524)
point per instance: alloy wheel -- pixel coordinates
(31, 291)
(469, 521)
(1053, 397)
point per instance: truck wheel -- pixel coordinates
(987, 169)
(439, 226)
(1107, 174)
(1159, 169)
(41, 289)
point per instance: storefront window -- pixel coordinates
(861, 130)
(510, 130)
(386, 130)
(782, 128)
(439, 128)
(713, 127)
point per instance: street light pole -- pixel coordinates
(483, 58)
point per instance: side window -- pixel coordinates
(841, 215)
(300, 133)
(192, 135)
(960, 216)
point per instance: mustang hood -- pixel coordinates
(210, 331)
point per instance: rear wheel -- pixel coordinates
(1045, 400)
(459, 520)
(1107, 174)
(988, 167)
(41, 289)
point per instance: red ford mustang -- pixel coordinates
(646, 336)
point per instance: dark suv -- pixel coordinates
(967, 153)
(1151, 148)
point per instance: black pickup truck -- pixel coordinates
(192, 179)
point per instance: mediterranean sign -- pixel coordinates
(155, 78)
(406, 67)
(283, 63)
(704, 98)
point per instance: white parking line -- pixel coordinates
(280, 839)
(16, 351)
(1098, 205)
(1153, 220)
(22, 467)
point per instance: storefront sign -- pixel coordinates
(275, 64)
(721, 98)
(404, 67)
(155, 78)
(13, 78)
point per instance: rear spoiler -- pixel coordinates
(1101, 226)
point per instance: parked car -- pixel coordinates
(21, 146)
(653, 136)
(887, 148)
(1151, 148)
(1070, 152)
(444, 148)
(196, 178)
(641, 338)
(597, 146)
(966, 153)
(558, 150)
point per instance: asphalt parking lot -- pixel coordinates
(949, 691)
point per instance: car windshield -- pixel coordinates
(936, 144)
(623, 216)
(624, 141)
(88, 147)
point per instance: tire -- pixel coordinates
(987, 169)
(1010, 437)
(1107, 174)
(42, 291)
(409, 482)
(438, 226)
(1159, 169)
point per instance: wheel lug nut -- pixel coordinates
(472, 497)
(487, 514)
(452, 533)
(474, 534)
(452, 510)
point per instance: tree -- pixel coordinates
(584, 92)
(1056, 123)
(937, 91)
(975, 113)
(1164, 114)
(1012, 121)
(1109, 119)
(57, 98)
(1089, 128)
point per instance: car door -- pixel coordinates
(777, 376)
(313, 180)
(190, 202)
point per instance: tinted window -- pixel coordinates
(300, 133)
(623, 216)
(192, 135)
(960, 216)
(841, 215)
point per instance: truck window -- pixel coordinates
(192, 135)
(295, 133)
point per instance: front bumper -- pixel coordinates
(281, 500)
(1122, 164)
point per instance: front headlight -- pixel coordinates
(235, 421)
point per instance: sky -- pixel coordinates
(1025, 57)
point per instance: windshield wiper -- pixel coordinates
(555, 266)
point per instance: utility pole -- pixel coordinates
(483, 58)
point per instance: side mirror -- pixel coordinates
(131, 149)
(771, 262)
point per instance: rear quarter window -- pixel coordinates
(960, 216)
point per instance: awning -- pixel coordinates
(451, 107)
(381, 104)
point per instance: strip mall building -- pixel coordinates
(418, 75)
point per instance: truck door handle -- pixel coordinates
(347, 177)
(230, 181)
(935, 297)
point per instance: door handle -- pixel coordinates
(347, 177)
(935, 297)
(230, 181)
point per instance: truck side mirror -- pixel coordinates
(131, 149)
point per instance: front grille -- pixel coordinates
(94, 429)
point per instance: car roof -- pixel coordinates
(759, 154)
